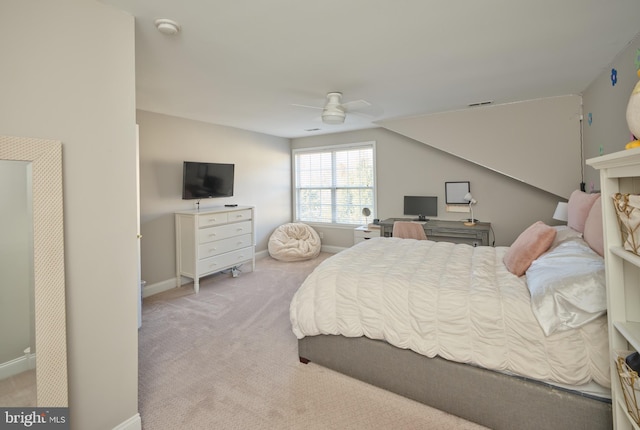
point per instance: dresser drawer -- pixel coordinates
(225, 245)
(212, 219)
(239, 215)
(223, 261)
(450, 232)
(220, 232)
(363, 233)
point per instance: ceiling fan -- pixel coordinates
(334, 111)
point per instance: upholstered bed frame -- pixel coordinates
(489, 398)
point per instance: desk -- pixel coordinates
(446, 231)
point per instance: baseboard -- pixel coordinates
(133, 423)
(332, 249)
(158, 287)
(17, 365)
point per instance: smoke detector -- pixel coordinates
(167, 26)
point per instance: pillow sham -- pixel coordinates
(564, 233)
(578, 208)
(531, 243)
(567, 287)
(593, 233)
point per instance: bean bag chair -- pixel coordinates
(294, 241)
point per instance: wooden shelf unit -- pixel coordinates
(620, 172)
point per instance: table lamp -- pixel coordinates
(468, 197)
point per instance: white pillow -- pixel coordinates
(567, 286)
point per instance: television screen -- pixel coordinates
(207, 180)
(421, 206)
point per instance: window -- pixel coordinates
(334, 183)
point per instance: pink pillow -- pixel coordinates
(531, 244)
(593, 234)
(578, 208)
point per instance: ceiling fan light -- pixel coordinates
(332, 119)
(333, 116)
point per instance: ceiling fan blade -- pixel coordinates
(356, 105)
(362, 115)
(306, 106)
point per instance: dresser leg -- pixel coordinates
(196, 285)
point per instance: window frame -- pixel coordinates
(332, 149)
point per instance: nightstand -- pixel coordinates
(365, 232)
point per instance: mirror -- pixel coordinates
(36, 167)
(17, 319)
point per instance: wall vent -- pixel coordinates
(488, 102)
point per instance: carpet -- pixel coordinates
(226, 358)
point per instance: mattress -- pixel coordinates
(450, 300)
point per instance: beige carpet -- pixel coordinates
(19, 390)
(227, 359)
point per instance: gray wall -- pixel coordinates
(535, 141)
(262, 179)
(408, 167)
(68, 74)
(608, 131)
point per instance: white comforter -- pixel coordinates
(454, 301)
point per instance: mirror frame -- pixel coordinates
(48, 263)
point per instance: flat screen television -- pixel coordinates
(207, 180)
(421, 206)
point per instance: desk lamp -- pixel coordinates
(366, 212)
(468, 197)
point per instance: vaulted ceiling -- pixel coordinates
(248, 63)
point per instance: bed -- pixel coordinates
(507, 337)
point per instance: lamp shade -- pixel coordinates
(468, 197)
(562, 212)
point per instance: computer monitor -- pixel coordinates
(421, 206)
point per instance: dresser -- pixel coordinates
(212, 240)
(446, 231)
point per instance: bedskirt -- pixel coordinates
(492, 399)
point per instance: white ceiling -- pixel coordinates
(243, 63)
